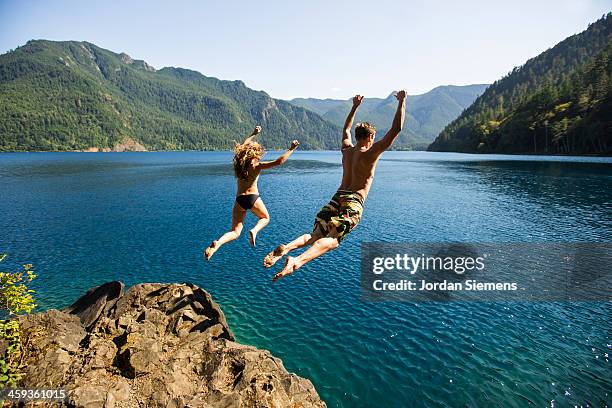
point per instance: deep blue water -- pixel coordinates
(83, 219)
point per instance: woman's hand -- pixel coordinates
(294, 144)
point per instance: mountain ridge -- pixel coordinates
(72, 95)
(76, 96)
(426, 113)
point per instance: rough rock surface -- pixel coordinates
(129, 145)
(158, 345)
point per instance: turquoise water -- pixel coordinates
(83, 219)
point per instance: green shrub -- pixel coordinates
(15, 299)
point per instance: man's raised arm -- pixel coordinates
(397, 125)
(254, 133)
(348, 124)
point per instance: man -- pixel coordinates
(338, 218)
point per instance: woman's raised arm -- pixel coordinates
(281, 159)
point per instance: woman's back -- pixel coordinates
(248, 185)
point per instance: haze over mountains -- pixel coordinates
(426, 114)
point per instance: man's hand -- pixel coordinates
(256, 130)
(401, 95)
(294, 144)
(357, 100)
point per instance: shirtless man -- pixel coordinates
(338, 218)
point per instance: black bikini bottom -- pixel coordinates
(247, 201)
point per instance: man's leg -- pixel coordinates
(349, 215)
(238, 214)
(284, 249)
(318, 248)
(324, 215)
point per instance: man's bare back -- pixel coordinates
(358, 169)
(343, 213)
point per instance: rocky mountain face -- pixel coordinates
(156, 345)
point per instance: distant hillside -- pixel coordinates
(426, 114)
(559, 102)
(75, 95)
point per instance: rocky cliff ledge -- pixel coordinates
(157, 345)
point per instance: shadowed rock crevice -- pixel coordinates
(156, 345)
(121, 361)
(96, 301)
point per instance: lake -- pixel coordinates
(86, 218)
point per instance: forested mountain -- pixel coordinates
(556, 103)
(75, 95)
(426, 114)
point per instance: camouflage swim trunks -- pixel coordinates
(343, 212)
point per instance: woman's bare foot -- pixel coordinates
(252, 237)
(274, 256)
(210, 251)
(288, 269)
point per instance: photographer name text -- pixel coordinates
(413, 264)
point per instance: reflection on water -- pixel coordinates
(83, 219)
(582, 184)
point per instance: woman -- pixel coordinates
(247, 167)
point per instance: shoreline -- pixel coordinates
(229, 150)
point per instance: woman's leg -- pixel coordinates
(260, 210)
(238, 214)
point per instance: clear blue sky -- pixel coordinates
(318, 48)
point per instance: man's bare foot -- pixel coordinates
(252, 237)
(288, 269)
(209, 252)
(274, 256)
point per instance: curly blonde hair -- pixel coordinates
(243, 155)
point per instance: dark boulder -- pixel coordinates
(95, 302)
